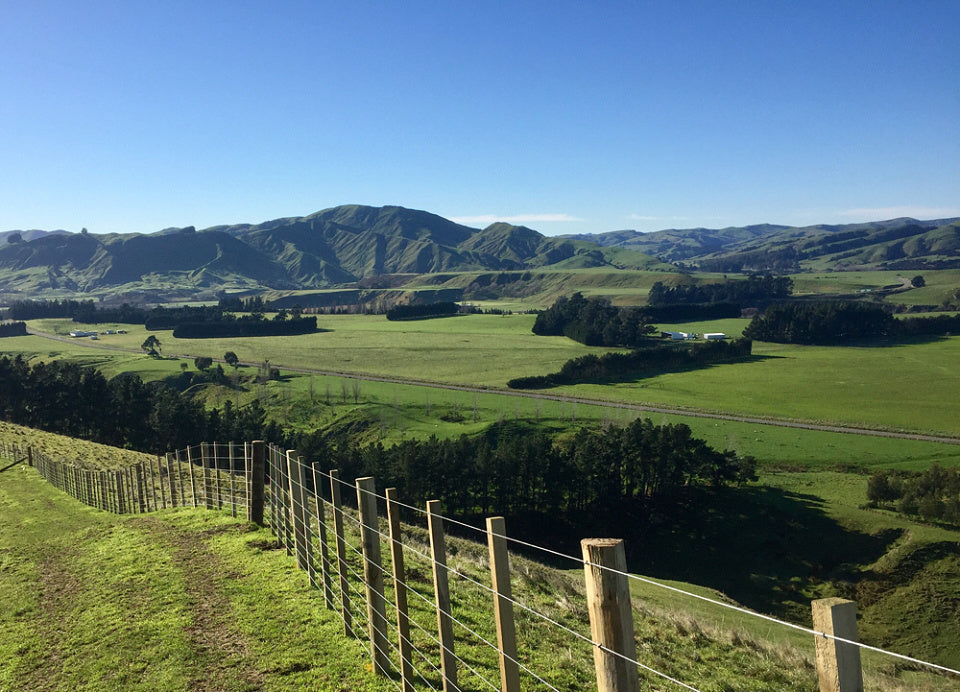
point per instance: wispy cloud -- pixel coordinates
(884, 213)
(513, 218)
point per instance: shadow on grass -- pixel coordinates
(767, 548)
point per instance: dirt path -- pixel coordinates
(222, 650)
(693, 413)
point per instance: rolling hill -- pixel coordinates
(898, 244)
(333, 247)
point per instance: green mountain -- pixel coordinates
(897, 244)
(333, 247)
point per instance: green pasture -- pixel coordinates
(896, 385)
(903, 386)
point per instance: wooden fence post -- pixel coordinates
(322, 536)
(503, 604)
(301, 533)
(441, 588)
(142, 484)
(193, 482)
(170, 476)
(216, 475)
(400, 590)
(183, 497)
(257, 473)
(341, 552)
(611, 617)
(373, 574)
(207, 480)
(163, 491)
(30, 456)
(233, 481)
(118, 478)
(838, 663)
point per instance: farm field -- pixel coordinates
(898, 386)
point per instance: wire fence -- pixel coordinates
(422, 608)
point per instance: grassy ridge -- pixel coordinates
(92, 601)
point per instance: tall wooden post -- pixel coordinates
(373, 575)
(193, 481)
(611, 617)
(170, 477)
(183, 497)
(838, 663)
(163, 491)
(256, 498)
(337, 503)
(503, 604)
(301, 537)
(216, 475)
(441, 588)
(207, 481)
(322, 535)
(400, 590)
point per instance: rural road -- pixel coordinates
(693, 413)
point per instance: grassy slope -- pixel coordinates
(209, 605)
(179, 601)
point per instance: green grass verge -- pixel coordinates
(176, 601)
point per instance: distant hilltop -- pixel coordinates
(350, 244)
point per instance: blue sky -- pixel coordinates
(567, 117)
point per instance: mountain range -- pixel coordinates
(349, 244)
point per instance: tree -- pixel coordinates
(230, 358)
(918, 281)
(14, 238)
(202, 362)
(151, 346)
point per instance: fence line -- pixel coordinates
(278, 489)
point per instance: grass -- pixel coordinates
(820, 384)
(191, 599)
(178, 601)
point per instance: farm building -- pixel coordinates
(713, 336)
(677, 336)
(78, 333)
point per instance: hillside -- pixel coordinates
(898, 244)
(339, 246)
(195, 599)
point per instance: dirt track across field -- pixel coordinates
(780, 422)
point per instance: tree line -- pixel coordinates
(827, 322)
(594, 478)
(517, 469)
(13, 329)
(594, 322)
(646, 361)
(66, 398)
(422, 312)
(752, 289)
(933, 494)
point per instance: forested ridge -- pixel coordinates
(510, 468)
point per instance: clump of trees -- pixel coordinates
(827, 322)
(514, 468)
(13, 329)
(594, 322)
(933, 494)
(249, 325)
(65, 398)
(752, 289)
(422, 312)
(651, 359)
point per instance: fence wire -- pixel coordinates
(304, 510)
